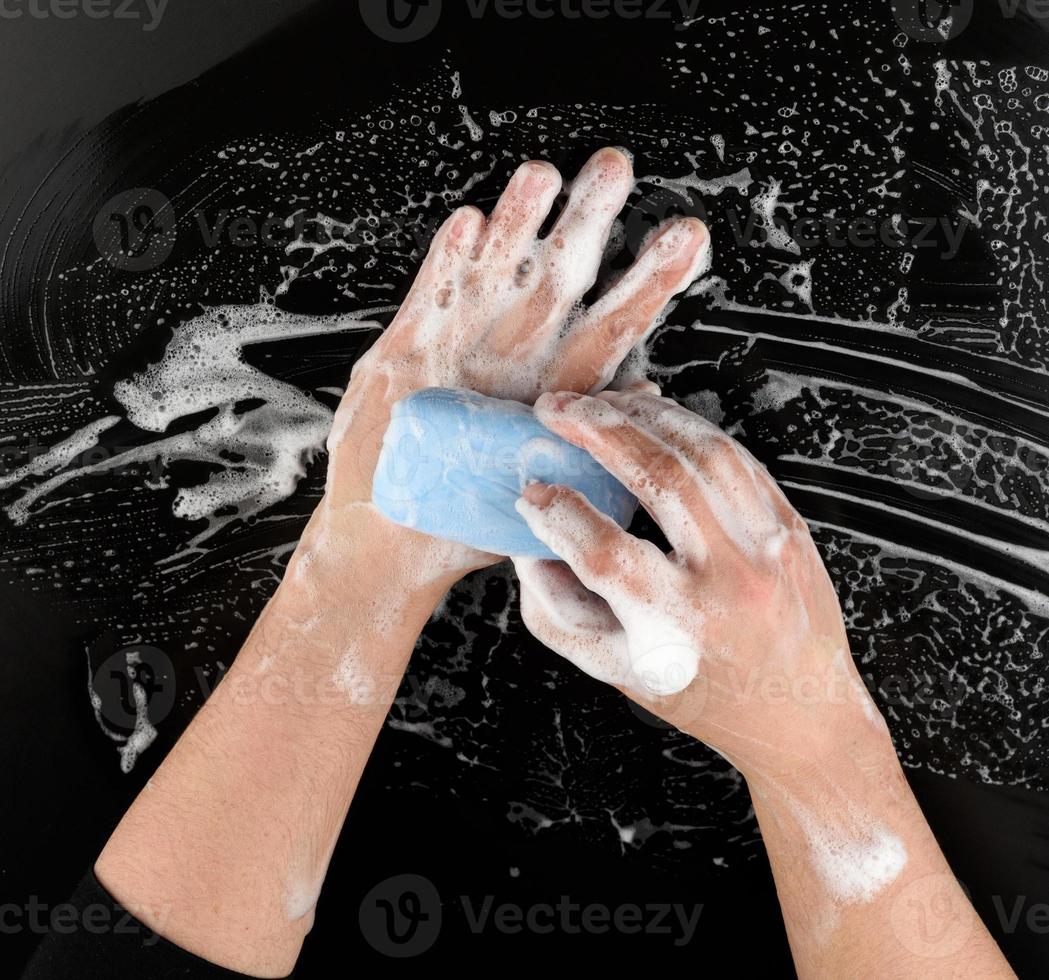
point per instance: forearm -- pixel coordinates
(864, 888)
(227, 846)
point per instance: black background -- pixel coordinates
(62, 791)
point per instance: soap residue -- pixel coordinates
(875, 382)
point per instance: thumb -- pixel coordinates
(561, 613)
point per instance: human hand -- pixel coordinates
(736, 636)
(496, 309)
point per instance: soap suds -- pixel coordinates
(656, 622)
(354, 679)
(854, 865)
(923, 608)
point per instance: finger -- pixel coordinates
(632, 576)
(657, 474)
(597, 549)
(603, 336)
(576, 244)
(738, 487)
(454, 244)
(713, 448)
(440, 278)
(560, 612)
(671, 422)
(641, 386)
(511, 234)
(566, 262)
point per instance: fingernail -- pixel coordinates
(463, 220)
(539, 494)
(536, 176)
(612, 158)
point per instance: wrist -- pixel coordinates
(356, 551)
(341, 628)
(845, 747)
(349, 586)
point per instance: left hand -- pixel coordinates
(496, 309)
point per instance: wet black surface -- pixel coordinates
(909, 427)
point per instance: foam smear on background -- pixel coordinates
(261, 452)
(912, 431)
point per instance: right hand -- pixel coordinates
(736, 636)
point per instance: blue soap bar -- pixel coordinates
(453, 464)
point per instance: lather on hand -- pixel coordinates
(736, 638)
(233, 834)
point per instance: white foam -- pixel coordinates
(262, 451)
(354, 679)
(650, 631)
(854, 865)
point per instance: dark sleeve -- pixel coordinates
(97, 939)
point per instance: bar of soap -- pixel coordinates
(454, 462)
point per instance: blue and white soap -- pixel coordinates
(453, 463)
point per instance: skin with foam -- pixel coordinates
(237, 860)
(233, 834)
(752, 659)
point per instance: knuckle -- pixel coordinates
(598, 562)
(752, 587)
(666, 471)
